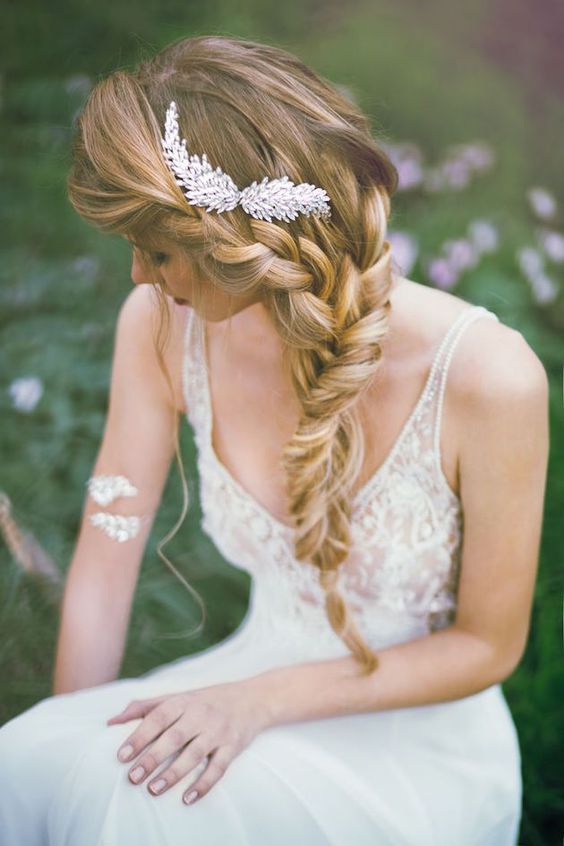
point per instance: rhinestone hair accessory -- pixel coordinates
(214, 189)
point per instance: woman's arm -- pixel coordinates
(501, 390)
(138, 443)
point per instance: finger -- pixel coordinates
(157, 720)
(136, 708)
(125, 716)
(191, 756)
(218, 763)
(118, 719)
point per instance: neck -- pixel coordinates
(253, 329)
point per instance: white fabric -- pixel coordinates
(447, 774)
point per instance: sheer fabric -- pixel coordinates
(401, 576)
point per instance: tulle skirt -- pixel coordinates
(447, 774)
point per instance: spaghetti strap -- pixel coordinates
(444, 359)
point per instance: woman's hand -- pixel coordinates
(216, 722)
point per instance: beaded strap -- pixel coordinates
(450, 341)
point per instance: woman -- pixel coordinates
(390, 518)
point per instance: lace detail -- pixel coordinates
(401, 576)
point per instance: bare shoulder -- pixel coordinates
(501, 390)
(138, 328)
(497, 397)
(492, 362)
(494, 365)
(141, 306)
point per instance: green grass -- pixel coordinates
(62, 283)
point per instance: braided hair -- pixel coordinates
(257, 110)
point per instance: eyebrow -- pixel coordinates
(145, 249)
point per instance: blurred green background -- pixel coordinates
(467, 98)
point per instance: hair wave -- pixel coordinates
(257, 110)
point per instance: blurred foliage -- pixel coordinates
(62, 284)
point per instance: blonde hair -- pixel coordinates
(256, 110)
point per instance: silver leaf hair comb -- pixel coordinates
(214, 189)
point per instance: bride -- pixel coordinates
(389, 516)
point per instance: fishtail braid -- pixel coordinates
(325, 283)
(333, 319)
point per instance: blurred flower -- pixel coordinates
(92, 331)
(461, 162)
(542, 202)
(478, 155)
(410, 174)
(530, 260)
(21, 294)
(553, 244)
(26, 392)
(87, 268)
(75, 116)
(434, 179)
(79, 84)
(461, 254)
(347, 92)
(456, 173)
(484, 235)
(442, 273)
(407, 159)
(404, 250)
(543, 288)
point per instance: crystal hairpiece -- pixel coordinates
(214, 189)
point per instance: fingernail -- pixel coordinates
(125, 752)
(158, 785)
(137, 773)
(191, 796)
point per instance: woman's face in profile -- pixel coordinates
(173, 271)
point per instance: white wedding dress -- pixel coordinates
(446, 774)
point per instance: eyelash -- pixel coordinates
(159, 258)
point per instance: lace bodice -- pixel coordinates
(401, 576)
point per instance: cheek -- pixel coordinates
(179, 281)
(138, 274)
(142, 272)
